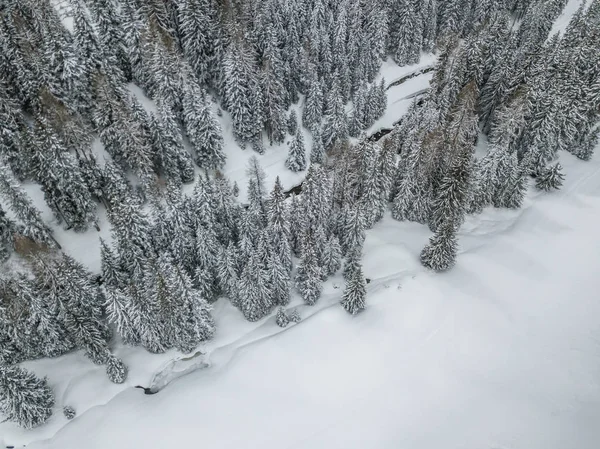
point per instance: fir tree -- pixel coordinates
(7, 229)
(203, 130)
(24, 398)
(336, 122)
(406, 32)
(201, 37)
(313, 106)
(279, 280)
(353, 299)
(69, 412)
(332, 256)
(352, 228)
(25, 211)
(296, 160)
(241, 91)
(171, 157)
(281, 318)
(254, 300)
(292, 123)
(317, 152)
(111, 270)
(550, 178)
(227, 273)
(121, 314)
(274, 96)
(309, 277)
(440, 253)
(116, 370)
(352, 261)
(79, 301)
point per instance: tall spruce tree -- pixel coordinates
(24, 398)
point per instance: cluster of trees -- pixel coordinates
(529, 94)
(499, 77)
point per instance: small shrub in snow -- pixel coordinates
(281, 318)
(294, 317)
(69, 412)
(116, 370)
(550, 178)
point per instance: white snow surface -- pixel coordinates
(502, 352)
(79, 383)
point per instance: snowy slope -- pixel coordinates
(79, 383)
(501, 352)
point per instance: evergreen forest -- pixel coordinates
(72, 124)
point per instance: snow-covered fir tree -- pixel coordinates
(309, 281)
(551, 178)
(296, 160)
(24, 398)
(354, 297)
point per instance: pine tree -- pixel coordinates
(352, 261)
(242, 95)
(203, 129)
(121, 314)
(511, 191)
(110, 23)
(332, 256)
(274, 98)
(358, 121)
(281, 318)
(406, 33)
(171, 157)
(116, 370)
(24, 398)
(254, 300)
(440, 253)
(353, 299)
(296, 160)
(309, 277)
(352, 228)
(111, 270)
(550, 178)
(58, 173)
(336, 122)
(313, 106)
(201, 37)
(25, 211)
(279, 278)
(317, 152)
(7, 229)
(79, 301)
(131, 232)
(292, 123)
(258, 146)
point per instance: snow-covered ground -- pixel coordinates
(79, 383)
(501, 352)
